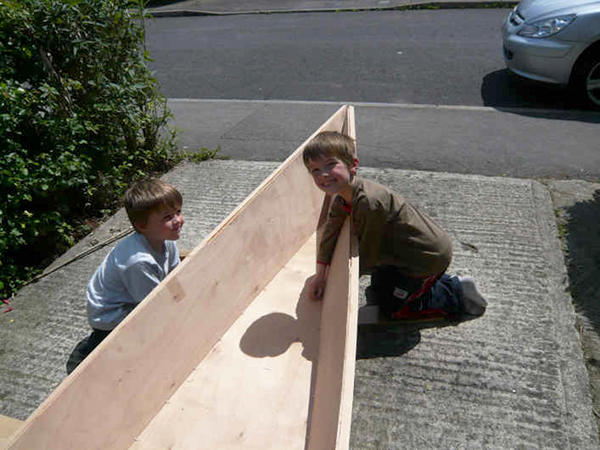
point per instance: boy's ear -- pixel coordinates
(140, 226)
(354, 166)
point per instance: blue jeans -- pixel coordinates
(391, 289)
(85, 347)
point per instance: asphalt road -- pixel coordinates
(447, 57)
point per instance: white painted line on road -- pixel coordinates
(308, 102)
(562, 112)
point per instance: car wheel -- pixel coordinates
(586, 80)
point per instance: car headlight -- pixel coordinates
(546, 27)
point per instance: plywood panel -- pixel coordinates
(334, 384)
(332, 410)
(111, 397)
(253, 389)
(8, 426)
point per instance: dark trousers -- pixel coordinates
(393, 290)
(85, 347)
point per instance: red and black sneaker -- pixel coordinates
(420, 310)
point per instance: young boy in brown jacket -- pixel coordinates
(403, 249)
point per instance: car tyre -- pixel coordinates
(586, 80)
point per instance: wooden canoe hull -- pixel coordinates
(196, 329)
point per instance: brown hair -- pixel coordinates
(147, 195)
(330, 143)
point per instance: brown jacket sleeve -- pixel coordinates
(335, 219)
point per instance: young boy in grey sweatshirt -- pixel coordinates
(136, 265)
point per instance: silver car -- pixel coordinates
(556, 41)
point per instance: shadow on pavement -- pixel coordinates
(378, 342)
(583, 265)
(583, 245)
(504, 90)
(395, 339)
(154, 3)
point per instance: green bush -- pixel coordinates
(80, 118)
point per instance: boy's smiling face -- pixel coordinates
(164, 223)
(332, 176)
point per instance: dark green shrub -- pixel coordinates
(80, 116)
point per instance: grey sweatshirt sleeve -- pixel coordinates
(139, 279)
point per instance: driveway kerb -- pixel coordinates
(185, 10)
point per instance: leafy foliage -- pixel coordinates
(80, 118)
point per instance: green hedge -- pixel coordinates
(80, 118)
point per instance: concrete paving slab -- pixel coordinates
(247, 130)
(506, 380)
(512, 379)
(211, 126)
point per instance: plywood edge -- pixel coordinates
(115, 392)
(349, 127)
(334, 383)
(347, 388)
(336, 122)
(331, 415)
